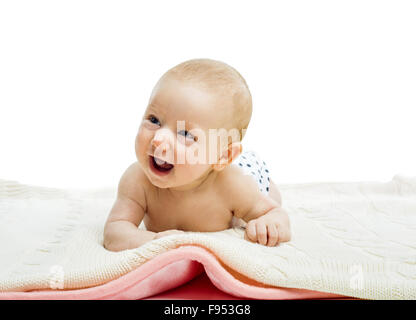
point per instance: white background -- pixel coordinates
(333, 83)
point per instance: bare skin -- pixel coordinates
(190, 197)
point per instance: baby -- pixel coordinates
(191, 173)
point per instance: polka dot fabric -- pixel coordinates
(252, 165)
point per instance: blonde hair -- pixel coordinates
(222, 79)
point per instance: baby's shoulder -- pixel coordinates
(239, 190)
(235, 183)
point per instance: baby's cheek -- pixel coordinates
(180, 154)
(141, 143)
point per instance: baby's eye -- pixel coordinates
(154, 120)
(187, 135)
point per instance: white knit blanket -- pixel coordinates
(355, 239)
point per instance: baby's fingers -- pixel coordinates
(250, 233)
(284, 234)
(261, 230)
(272, 234)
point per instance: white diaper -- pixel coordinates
(252, 165)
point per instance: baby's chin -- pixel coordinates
(164, 184)
(159, 183)
(164, 176)
(159, 177)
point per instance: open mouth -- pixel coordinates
(159, 166)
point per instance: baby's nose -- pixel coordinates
(160, 145)
(161, 140)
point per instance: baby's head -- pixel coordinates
(197, 115)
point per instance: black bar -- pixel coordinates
(208, 309)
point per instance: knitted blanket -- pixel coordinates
(355, 239)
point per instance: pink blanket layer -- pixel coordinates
(170, 270)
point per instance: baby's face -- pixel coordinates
(175, 131)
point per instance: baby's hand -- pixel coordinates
(269, 229)
(167, 233)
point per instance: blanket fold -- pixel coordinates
(353, 239)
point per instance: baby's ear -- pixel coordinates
(232, 152)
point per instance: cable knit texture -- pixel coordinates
(355, 239)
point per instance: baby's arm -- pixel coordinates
(121, 229)
(267, 222)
